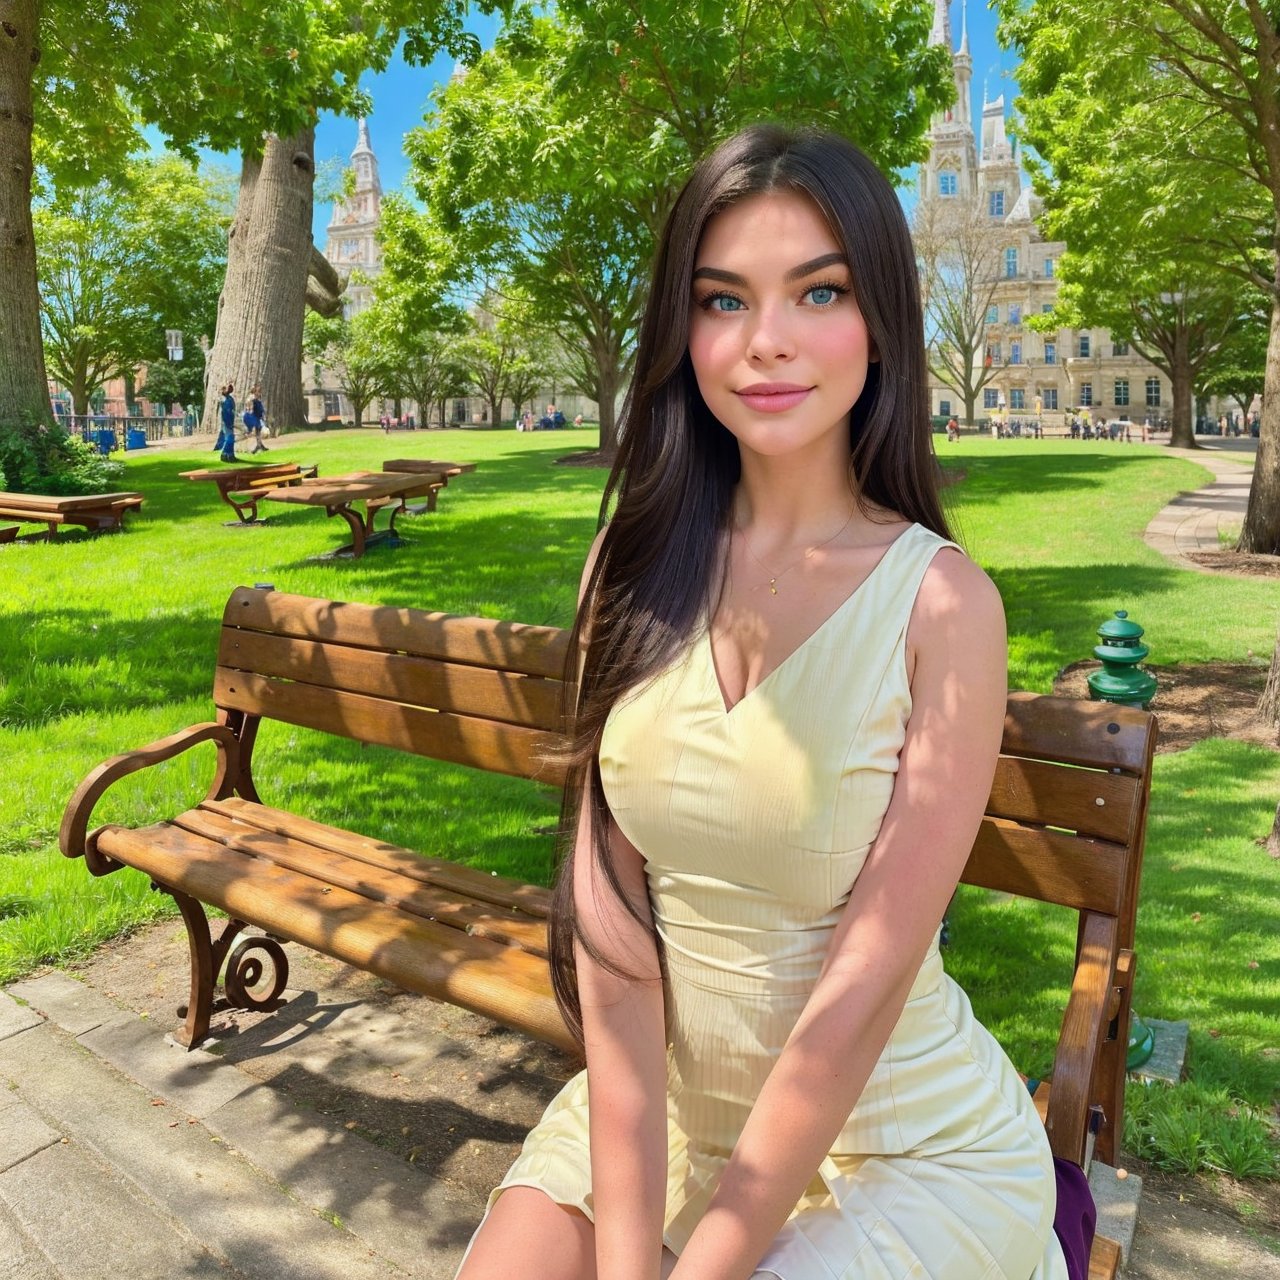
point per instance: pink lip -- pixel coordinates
(773, 397)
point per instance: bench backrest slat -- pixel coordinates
(1098, 735)
(1050, 866)
(500, 646)
(533, 701)
(483, 744)
(1088, 801)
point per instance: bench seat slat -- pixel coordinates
(375, 883)
(482, 642)
(1066, 729)
(532, 701)
(453, 877)
(1087, 875)
(486, 977)
(483, 744)
(1040, 793)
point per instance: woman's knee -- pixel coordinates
(528, 1234)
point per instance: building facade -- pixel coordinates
(1045, 375)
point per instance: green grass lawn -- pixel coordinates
(108, 642)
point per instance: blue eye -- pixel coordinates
(724, 302)
(823, 295)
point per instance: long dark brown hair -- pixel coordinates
(672, 485)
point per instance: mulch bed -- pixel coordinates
(1208, 700)
(1243, 562)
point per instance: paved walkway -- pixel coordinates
(1192, 520)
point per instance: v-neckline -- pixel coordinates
(709, 648)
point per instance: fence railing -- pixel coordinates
(116, 431)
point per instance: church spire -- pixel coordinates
(964, 27)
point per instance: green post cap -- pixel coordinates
(1121, 680)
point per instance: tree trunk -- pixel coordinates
(264, 297)
(1261, 532)
(1182, 432)
(1269, 706)
(24, 389)
(606, 398)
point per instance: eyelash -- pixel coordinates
(839, 290)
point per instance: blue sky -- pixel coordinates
(401, 93)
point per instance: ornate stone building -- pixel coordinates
(352, 246)
(1045, 373)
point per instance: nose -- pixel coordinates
(771, 337)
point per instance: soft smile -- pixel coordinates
(772, 397)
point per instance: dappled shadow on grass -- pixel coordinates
(77, 660)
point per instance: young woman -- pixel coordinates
(790, 709)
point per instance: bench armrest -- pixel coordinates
(1084, 1028)
(74, 838)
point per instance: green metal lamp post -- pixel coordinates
(1122, 681)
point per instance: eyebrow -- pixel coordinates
(796, 273)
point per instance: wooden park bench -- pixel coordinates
(96, 512)
(442, 473)
(241, 487)
(1065, 824)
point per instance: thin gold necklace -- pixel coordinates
(811, 551)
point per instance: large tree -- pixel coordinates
(959, 249)
(80, 74)
(115, 273)
(1191, 90)
(553, 163)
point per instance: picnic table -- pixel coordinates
(338, 495)
(94, 511)
(241, 487)
(422, 465)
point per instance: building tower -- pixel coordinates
(999, 170)
(951, 169)
(352, 245)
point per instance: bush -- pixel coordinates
(40, 458)
(1187, 1128)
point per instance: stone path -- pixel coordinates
(1192, 520)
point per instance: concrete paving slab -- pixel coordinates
(90, 1227)
(15, 1017)
(1117, 1200)
(20, 1257)
(189, 1174)
(373, 1192)
(196, 1081)
(72, 1005)
(22, 1134)
(1169, 1054)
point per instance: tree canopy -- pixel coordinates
(551, 165)
(1187, 102)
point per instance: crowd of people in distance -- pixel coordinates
(552, 420)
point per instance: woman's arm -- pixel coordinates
(624, 1029)
(958, 687)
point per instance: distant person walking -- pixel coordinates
(256, 419)
(226, 445)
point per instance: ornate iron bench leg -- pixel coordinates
(244, 971)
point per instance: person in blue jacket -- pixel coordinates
(228, 437)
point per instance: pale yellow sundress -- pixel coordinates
(754, 823)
